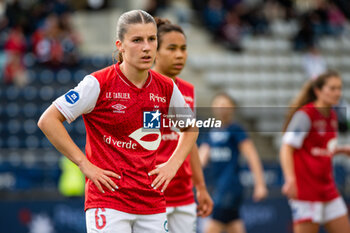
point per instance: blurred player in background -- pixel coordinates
(181, 208)
(308, 145)
(121, 194)
(220, 154)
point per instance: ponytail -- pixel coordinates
(307, 94)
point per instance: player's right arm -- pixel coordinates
(51, 123)
(293, 139)
(204, 153)
(286, 158)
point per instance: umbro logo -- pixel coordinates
(119, 108)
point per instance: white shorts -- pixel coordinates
(104, 220)
(182, 219)
(317, 212)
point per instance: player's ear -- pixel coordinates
(119, 45)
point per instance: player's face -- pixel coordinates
(172, 54)
(330, 93)
(139, 45)
(222, 108)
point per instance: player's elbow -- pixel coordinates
(43, 122)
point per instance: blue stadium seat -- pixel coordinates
(12, 93)
(30, 126)
(79, 75)
(46, 93)
(64, 76)
(13, 141)
(30, 93)
(47, 77)
(12, 109)
(29, 110)
(32, 141)
(32, 76)
(29, 60)
(14, 126)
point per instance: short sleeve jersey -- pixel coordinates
(179, 191)
(113, 109)
(222, 171)
(313, 137)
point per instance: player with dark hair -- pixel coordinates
(308, 145)
(124, 188)
(181, 208)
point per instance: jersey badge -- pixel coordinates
(72, 97)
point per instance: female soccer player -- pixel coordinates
(122, 194)
(181, 208)
(308, 145)
(220, 155)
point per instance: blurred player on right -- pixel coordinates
(308, 145)
(220, 154)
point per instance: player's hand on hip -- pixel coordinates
(205, 203)
(165, 173)
(289, 189)
(99, 176)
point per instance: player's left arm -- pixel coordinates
(205, 203)
(248, 150)
(342, 150)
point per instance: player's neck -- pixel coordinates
(135, 76)
(323, 108)
(156, 69)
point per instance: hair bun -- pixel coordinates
(161, 21)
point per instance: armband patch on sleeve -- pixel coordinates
(72, 97)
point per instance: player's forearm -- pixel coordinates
(197, 172)
(287, 163)
(254, 163)
(51, 125)
(256, 168)
(186, 141)
(343, 150)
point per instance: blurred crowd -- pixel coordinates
(230, 20)
(35, 32)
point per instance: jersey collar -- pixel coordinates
(127, 81)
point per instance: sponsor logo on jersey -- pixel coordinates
(117, 95)
(331, 146)
(220, 136)
(111, 141)
(119, 108)
(140, 133)
(72, 97)
(188, 99)
(151, 119)
(156, 98)
(173, 136)
(218, 154)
